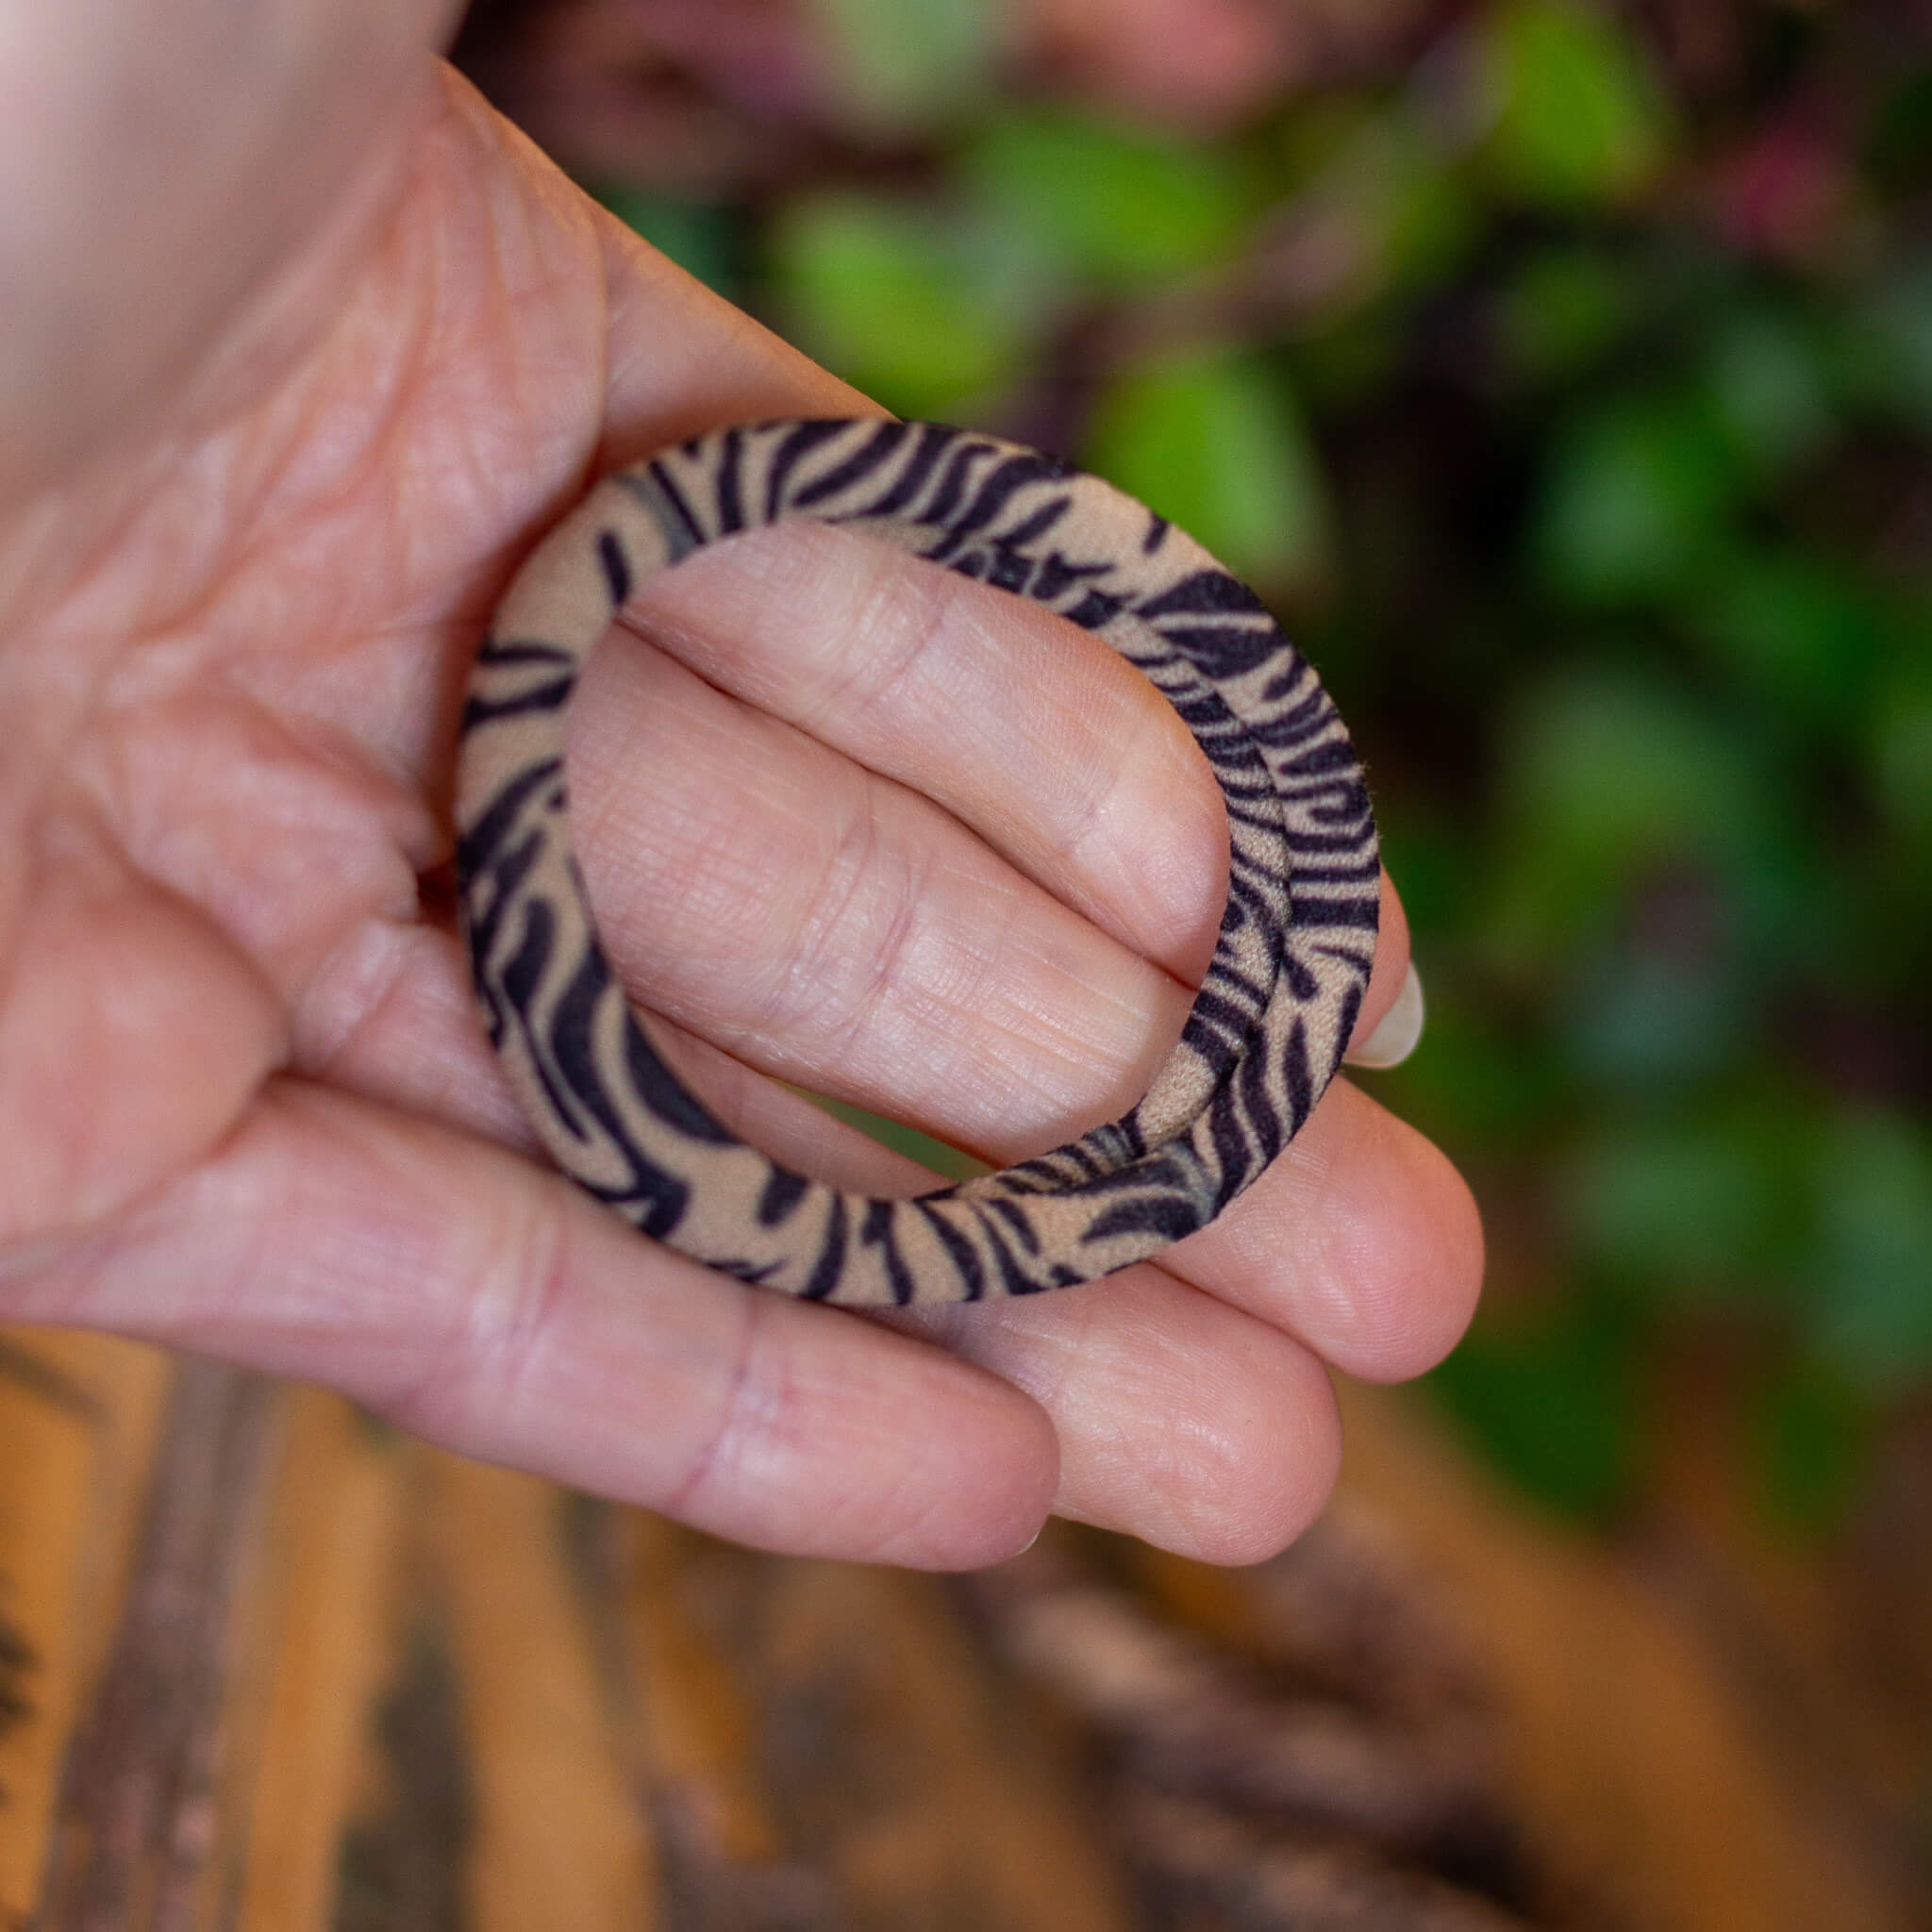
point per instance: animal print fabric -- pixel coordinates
(1273, 1015)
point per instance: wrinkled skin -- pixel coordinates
(303, 348)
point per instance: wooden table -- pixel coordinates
(266, 1665)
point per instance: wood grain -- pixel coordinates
(282, 1670)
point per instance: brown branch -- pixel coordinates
(136, 1823)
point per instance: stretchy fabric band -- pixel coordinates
(1272, 1018)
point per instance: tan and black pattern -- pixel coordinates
(1273, 1016)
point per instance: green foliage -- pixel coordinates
(1608, 777)
(1591, 429)
(1480, 1088)
(1560, 310)
(1812, 1434)
(928, 317)
(1579, 118)
(1872, 1279)
(1214, 442)
(1698, 1205)
(904, 64)
(1555, 1405)
(1640, 493)
(1767, 379)
(1884, 346)
(1900, 753)
(1110, 208)
(1796, 633)
(1367, 182)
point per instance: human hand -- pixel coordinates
(308, 347)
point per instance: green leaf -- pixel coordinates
(1561, 310)
(1213, 441)
(1553, 1406)
(1698, 1207)
(1798, 631)
(1898, 146)
(1769, 381)
(1638, 498)
(1813, 1434)
(904, 66)
(1871, 1281)
(1578, 115)
(1884, 350)
(1607, 774)
(1110, 208)
(1900, 746)
(922, 310)
(1376, 210)
(1422, 214)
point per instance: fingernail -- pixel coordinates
(1401, 1027)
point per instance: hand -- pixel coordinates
(311, 347)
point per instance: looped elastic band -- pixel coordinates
(1273, 1016)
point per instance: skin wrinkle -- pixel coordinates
(724, 368)
(950, 732)
(88, 887)
(324, 1038)
(1095, 1071)
(890, 899)
(273, 779)
(910, 629)
(730, 1424)
(499, 1327)
(1185, 954)
(95, 1253)
(1227, 1495)
(313, 451)
(891, 943)
(417, 1044)
(467, 1365)
(1000, 1074)
(497, 1280)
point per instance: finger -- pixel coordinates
(393, 1017)
(1360, 1239)
(490, 1307)
(683, 359)
(1044, 741)
(1182, 1419)
(838, 930)
(1195, 1420)
(1399, 1031)
(1189, 1396)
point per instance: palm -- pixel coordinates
(248, 1104)
(331, 541)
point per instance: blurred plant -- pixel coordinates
(1565, 370)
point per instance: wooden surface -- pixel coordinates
(265, 1665)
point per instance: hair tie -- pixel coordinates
(1273, 1016)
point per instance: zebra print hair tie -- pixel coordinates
(1273, 1013)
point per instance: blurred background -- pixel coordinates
(1563, 372)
